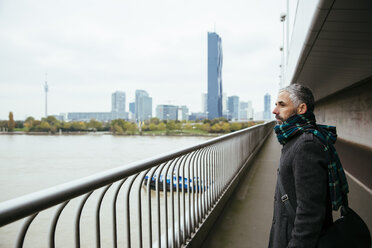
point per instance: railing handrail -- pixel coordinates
(18, 208)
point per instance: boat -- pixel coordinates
(180, 183)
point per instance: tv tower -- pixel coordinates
(46, 95)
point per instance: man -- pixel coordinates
(309, 170)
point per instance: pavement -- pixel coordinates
(246, 218)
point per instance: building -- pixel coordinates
(118, 102)
(197, 116)
(224, 105)
(250, 111)
(172, 112)
(233, 107)
(204, 107)
(184, 110)
(117, 111)
(167, 112)
(267, 107)
(132, 107)
(118, 105)
(243, 111)
(143, 106)
(87, 116)
(214, 103)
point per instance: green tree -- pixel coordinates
(206, 127)
(117, 129)
(132, 128)
(178, 126)
(95, 125)
(187, 126)
(225, 127)
(66, 126)
(29, 122)
(155, 120)
(153, 127)
(235, 126)
(216, 128)
(44, 126)
(162, 126)
(171, 125)
(11, 122)
(78, 126)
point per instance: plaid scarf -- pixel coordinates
(306, 123)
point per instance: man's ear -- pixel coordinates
(301, 109)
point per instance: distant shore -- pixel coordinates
(110, 133)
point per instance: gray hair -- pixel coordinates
(300, 94)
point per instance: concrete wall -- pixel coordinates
(350, 110)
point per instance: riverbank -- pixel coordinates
(179, 134)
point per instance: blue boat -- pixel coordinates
(187, 184)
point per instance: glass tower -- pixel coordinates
(118, 102)
(214, 103)
(143, 105)
(267, 104)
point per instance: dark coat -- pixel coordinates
(303, 172)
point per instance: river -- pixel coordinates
(29, 163)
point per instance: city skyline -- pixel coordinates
(91, 50)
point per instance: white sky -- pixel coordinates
(92, 48)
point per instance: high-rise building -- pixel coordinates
(267, 104)
(184, 113)
(132, 107)
(172, 112)
(204, 102)
(167, 112)
(143, 105)
(243, 111)
(214, 104)
(250, 111)
(224, 105)
(233, 107)
(118, 102)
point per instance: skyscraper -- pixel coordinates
(233, 107)
(143, 105)
(267, 104)
(204, 102)
(214, 104)
(118, 102)
(167, 112)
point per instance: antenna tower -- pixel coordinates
(46, 95)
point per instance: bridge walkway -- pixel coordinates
(246, 218)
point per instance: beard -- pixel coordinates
(280, 120)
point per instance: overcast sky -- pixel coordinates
(90, 49)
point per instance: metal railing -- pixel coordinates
(158, 202)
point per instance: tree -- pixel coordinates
(162, 126)
(216, 128)
(153, 127)
(118, 129)
(235, 126)
(171, 125)
(44, 126)
(225, 127)
(132, 129)
(11, 122)
(95, 125)
(187, 126)
(155, 120)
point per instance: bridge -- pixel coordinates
(220, 193)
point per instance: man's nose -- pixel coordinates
(275, 111)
